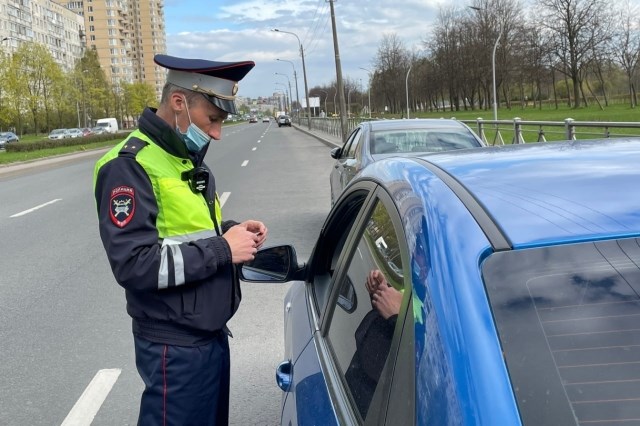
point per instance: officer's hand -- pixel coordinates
(242, 242)
(257, 228)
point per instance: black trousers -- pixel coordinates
(184, 385)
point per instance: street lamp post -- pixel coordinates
(369, 89)
(290, 92)
(295, 78)
(493, 69)
(493, 66)
(304, 73)
(406, 85)
(287, 96)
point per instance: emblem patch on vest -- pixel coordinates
(122, 205)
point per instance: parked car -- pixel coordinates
(86, 131)
(284, 120)
(98, 130)
(58, 134)
(8, 137)
(514, 298)
(74, 133)
(374, 140)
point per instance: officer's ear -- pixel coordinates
(177, 102)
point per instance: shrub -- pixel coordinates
(57, 143)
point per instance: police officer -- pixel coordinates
(161, 225)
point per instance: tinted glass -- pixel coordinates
(364, 318)
(354, 143)
(423, 140)
(568, 321)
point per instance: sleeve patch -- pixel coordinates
(122, 205)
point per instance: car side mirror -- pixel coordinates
(276, 264)
(336, 153)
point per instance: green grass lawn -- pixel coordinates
(612, 113)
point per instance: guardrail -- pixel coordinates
(516, 131)
(568, 131)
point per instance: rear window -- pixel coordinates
(422, 140)
(569, 324)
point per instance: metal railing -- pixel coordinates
(558, 130)
(516, 131)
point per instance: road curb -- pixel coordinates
(6, 169)
(321, 138)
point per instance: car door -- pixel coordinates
(343, 169)
(306, 399)
(353, 353)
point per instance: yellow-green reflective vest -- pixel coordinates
(181, 212)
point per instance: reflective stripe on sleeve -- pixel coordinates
(170, 254)
(163, 273)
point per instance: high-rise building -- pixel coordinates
(44, 22)
(126, 35)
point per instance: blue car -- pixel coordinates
(491, 286)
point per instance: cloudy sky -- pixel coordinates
(232, 30)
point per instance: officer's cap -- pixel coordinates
(218, 81)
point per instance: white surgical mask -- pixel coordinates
(195, 139)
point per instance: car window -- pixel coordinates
(364, 317)
(355, 142)
(334, 237)
(423, 140)
(567, 319)
(348, 149)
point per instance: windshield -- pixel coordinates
(567, 317)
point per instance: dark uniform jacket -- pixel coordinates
(189, 314)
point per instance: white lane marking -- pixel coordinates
(254, 148)
(259, 140)
(86, 408)
(244, 163)
(36, 208)
(223, 198)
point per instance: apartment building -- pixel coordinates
(44, 22)
(125, 33)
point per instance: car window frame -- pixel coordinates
(343, 405)
(346, 148)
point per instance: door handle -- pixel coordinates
(284, 374)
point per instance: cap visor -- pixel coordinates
(223, 104)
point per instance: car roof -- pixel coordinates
(417, 123)
(546, 193)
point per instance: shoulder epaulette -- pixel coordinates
(132, 147)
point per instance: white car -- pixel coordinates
(74, 133)
(58, 134)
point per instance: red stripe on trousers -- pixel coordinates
(164, 388)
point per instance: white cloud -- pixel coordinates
(244, 33)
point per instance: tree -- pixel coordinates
(138, 96)
(580, 27)
(391, 65)
(626, 45)
(35, 73)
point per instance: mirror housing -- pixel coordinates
(277, 264)
(336, 153)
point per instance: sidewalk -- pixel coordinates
(326, 138)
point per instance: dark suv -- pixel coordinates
(284, 120)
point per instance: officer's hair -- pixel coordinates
(169, 89)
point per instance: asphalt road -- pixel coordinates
(63, 325)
